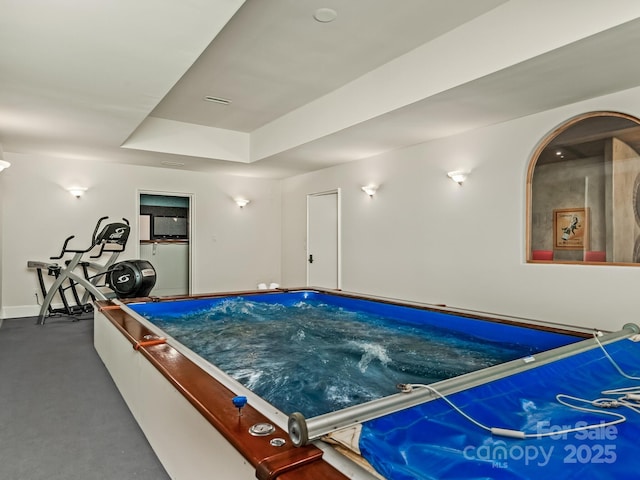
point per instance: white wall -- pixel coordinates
(233, 248)
(424, 238)
(2, 181)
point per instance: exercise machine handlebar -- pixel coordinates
(64, 249)
(95, 230)
(113, 233)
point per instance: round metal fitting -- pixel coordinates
(261, 429)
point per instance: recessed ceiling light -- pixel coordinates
(172, 164)
(325, 15)
(221, 101)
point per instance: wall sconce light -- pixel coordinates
(370, 190)
(241, 202)
(77, 191)
(3, 163)
(458, 176)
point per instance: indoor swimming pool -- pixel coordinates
(315, 353)
(192, 357)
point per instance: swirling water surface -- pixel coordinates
(316, 358)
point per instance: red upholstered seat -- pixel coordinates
(542, 255)
(595, 256)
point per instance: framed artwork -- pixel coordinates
(571, 229)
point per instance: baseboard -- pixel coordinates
(20, 311)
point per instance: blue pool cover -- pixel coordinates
(433, 441)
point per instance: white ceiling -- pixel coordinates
(124, 82)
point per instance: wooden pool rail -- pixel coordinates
(214, 402)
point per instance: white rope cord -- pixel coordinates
(613, 362)
(630, 398)
(507, 432)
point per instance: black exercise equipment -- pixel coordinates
(128, 279)
(131, 279)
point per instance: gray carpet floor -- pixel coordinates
(61, 416)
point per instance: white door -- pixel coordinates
(323, 239)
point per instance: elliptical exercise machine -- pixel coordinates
(127, 279)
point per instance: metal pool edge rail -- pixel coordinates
(302, 431)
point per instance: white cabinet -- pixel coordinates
(171, 261)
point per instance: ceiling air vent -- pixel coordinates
(221, 101)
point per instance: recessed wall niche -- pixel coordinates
(583, 192)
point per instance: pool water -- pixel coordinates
(314, 356)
